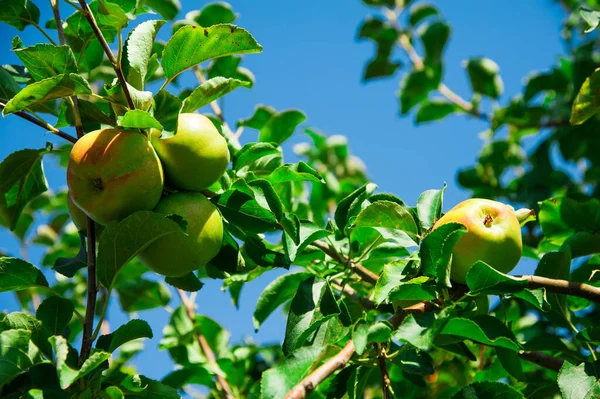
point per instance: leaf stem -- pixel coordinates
(44, 33)
(43, 124)
(222, 384)
(357, 268)
(85, 10)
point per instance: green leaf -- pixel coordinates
(14, 354)
(192, 45)
(69, 266)
(419, 331)
(166, 110)
(359, 336)
(586, 103)
(484, 76)
(243, 211)
(309, 233)
(590, 334)
(258, 158)
(421, 10)
(142, 294)
(591, 17)
(59, 86)
(556, 81)
(209, 91)
(279, 380)
(138, 50)
(415, 87)
(229, 67)
(262, 114)
(21, 180)
(215, 13)
(390, 278)
(295, 172)
(138, 119)
(167, 8)
(47, 60)
(535, 297)
(392, 221)
(434, 37)
(415, 361)
(579, 382)
(379, 332)
(189, 282)
(262, 191)
(67, 375)
(55, 312)
(92, 115)
(279, 291)
(435, 110)
(484, 329)
(16, 275)
(414, 290)
(312, 305)
(488, 390)
(341, 213)
(484, 279)
(281, 126)
(436, 251)
(123, 240)
(430, 206)
(133, 329)
(19, 13)
(114, 393)
(8, 86)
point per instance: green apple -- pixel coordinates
(178, 254)
(113, 173)
(79, 218)
(196, 156)
(493, 236)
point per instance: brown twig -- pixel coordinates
(92, 288)
(353, 295)
(542, 359)
(222, 385)
(339, 361)
(566, 287)
(111, 57)
(357, 268)
(386, 383)
(42, 124)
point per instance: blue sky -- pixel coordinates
(312, 61)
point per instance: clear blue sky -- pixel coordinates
(312, 61)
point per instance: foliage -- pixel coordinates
(369, 301)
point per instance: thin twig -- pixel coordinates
(386, 383)
(353, 295)
(90, 309)
(572, 288)
(111, 57)
(43, 124)
(341, 359)
(357, 268)
(542, 359)
(222, 385)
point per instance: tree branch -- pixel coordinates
(111, 57)
(90, 309)
(572, 288)
(357, 268)
(43, 124)
(341, 359)
(222, 384)
(386, 383)
(541, 359)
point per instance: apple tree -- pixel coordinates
(161, 197)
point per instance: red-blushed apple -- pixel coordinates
(178, 254)
(493, 236)
(113, 173)
(196, 156)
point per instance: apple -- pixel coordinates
(113, 173)
(178, 254)
(79, 218)
(196, 156)
(493, 236)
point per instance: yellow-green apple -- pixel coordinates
(178, 254)
(493, 236)
(113, 173)
(196, 156)
(79, 218)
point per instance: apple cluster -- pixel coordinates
(113, 173)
